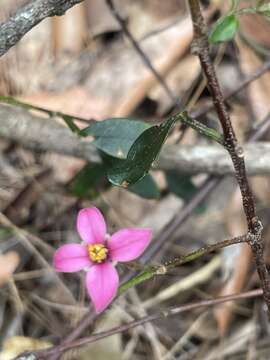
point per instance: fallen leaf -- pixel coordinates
(8, 264)
(16, 345)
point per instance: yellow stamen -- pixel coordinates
(97, 252)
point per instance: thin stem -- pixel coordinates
(43, 354)
(202, 129)
(142, 54)
(67, 118)
(163, 269)
(201, 48)
(245, 82)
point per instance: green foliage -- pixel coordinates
(182, 186)
(88, 182)
(92, 179)
(146, 188)
(141, 155)
(224, 29)
(115, 136)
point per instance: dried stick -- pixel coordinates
(141, 53)
(44, 354)
(244, 83)
(29, 16)
(201, 48)
(49, 135)
(26, 239)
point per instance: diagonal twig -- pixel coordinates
(201, 48)
(141, 53)
(44, 354)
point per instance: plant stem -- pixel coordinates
(163, 269)
(201, 48)
(141, 53)
(67, 118)
(43, 354)
(202, 129)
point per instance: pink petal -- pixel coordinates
(128, 244)
(91, 226)
(102, 283)
(71, 258)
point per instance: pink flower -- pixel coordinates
(97, 252)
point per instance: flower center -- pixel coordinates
(97, 252)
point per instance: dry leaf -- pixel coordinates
(8, 264)
(259, 89)
(16, 345)
(76, 101)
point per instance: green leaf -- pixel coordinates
(183, 187)
(146, 188)
(115, 136)
(141, 155)
(224, 29)
(89, 181)
(180, 185)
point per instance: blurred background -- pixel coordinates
(83, 64)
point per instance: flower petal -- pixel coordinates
(128, 244)
(102, 282)
(71, 258)
(91, 226)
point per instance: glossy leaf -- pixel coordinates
(89, 181)
(183, 187)
(224, 29)
(115, 136)
(146, 188)
(141, 155)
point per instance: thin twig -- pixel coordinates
(43, 354)
(245, 82)
(201, 48)
(163, 269)
(141, 53)
(26, 239)
(66, 117)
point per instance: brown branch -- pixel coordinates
(201, 48)
(44, 354)
(141, 53)
(244, 83)
(38, 133)
(29, 16)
